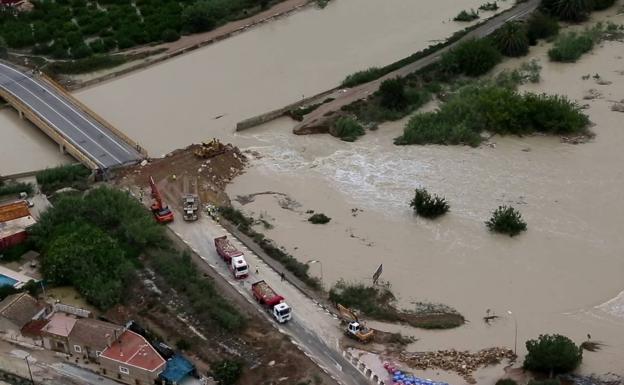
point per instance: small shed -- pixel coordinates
(177, 369)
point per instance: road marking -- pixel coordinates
(68, 106)
(60, 115)
(68, 138)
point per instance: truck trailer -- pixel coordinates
(232, 256)
(272, 302)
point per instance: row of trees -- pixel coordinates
(79, 28)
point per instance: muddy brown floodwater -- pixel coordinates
(563, 275)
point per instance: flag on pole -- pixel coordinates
(377, 273)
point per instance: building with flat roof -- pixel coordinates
(15, 218)
(132, 360)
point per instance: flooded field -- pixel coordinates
(564, 275)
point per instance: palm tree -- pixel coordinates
(512, 39)
(570, 10)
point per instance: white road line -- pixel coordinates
(61, 116)
(68, 138)
(68, 106)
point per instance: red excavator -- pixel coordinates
(159, 209)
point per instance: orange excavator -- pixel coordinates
(159, 209)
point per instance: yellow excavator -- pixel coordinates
(210, 149)
(354, 327)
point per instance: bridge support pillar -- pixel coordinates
(62, 148)
(21, 114)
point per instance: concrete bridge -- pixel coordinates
(78, 130)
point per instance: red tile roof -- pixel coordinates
(134, 350)
(33, 328)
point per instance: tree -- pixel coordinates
(552, 354)
(392, 93)
(347, 129)
(473, 57)
(227, 372)
(512, 39)
(4, 52)
(506, 220)
(428, 206)
(200, 16)
(569, 10)
(88, 259)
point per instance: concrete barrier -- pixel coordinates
(361, 367)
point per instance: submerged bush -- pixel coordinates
(467, 16)
(552, 354)
(428, 206)
(571, 46)
(392, 93)
(506, 220)
(497, 109)
(541, 26)
(347, 129)
(489, 6)
(473, 58)
(569, 10)
(512, 39)
(319, 218)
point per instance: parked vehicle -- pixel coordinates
(232, 256)
(159, 208)
(273, 303)
(190, 207)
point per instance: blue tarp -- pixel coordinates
(176, 369)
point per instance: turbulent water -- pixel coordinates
(564, 275)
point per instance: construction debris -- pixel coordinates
(463, 363)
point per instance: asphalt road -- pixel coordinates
(78, 127)
(312, 329)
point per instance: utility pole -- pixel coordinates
(29, 371)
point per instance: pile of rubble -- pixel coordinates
(463, 363)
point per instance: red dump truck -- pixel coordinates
(274, 303)
(232, 256)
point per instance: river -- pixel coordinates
(558, 277)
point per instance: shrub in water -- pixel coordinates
(572, 45)
(489, 6)
(552, 354)
(512, 39)
(319, 218)
(347, 129)
(466, 16)
(473, 58)
(428, 206)
(506, 381)
(569, 10)
(541, 26)
(506, 220)
(392, 92)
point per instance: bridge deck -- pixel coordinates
(87, 133)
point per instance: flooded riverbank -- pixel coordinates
(563, 276)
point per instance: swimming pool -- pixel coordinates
(7, 281)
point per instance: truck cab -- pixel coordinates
(281, 312)
(239, 267)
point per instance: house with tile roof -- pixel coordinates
(90, 337)
(55, 333)
(132, 360)
(17, 310)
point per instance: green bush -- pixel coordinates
(428, 206)
(569, 10)
(541, 26)
(373, 301)
(392, 94)
(493, 6)
(467, 16)
(474, 57)
(183, 344)
(14, 253)
(170, 35)
(204, 300)
(552, 354)
(512, 39)
(571, 46)
(347, 129)
(52, 179)
(506, 220)
(506, 381)
(497, 109)
(552, 381)
(227, 372)
(4, 53)
(319, 218)
(603, 4)
(14, 188)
